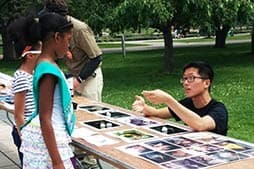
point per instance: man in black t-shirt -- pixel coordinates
(198, 110)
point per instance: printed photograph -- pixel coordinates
(131, 135)
(205, 148)
(250, 152)
(227, 156)
(92, 108)
(206, 160)
(157, 157)
(179, 153)
(138, 121)
(169, 165)
(167, 129)
(135, 149)
(189, 164)
(100, 124)
(204, 137)
(114, 114)
(159, 145)
(233, 145)
(181, 141)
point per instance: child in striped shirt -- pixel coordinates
(22, 81)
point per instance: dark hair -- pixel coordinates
(48, 23)
(20, 36)
(30, 30)
(204, 70)
(57, 6)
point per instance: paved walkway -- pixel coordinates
(8, 152)
(159, 44)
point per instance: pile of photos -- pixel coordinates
(188, 150)
(191, 150)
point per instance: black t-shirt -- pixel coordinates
(215, 109)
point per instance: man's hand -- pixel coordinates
(156, 96)
(76, 83)
(139, 104)
(68, 55)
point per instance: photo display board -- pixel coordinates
(191, 150)
(173, 146)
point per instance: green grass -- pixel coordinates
(240, 37)
(234, 76)
(212, 39)
(233, 85)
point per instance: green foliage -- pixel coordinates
(11, 9)
(157, 13)
(245, 12)
(97, 13)
(228, 13)
(224, 12)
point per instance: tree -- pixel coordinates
(96, 13)
(246, 17)
(11, 9)
(223, 16)
(159, 14)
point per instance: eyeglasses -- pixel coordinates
(190, 79)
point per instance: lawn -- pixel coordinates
(234, 76)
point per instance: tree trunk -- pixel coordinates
(8, 47)
(168, 45)
(221, 35)
(252, 39)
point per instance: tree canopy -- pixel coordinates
(120, 15)
(11, 9)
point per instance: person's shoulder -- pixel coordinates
(21, 74)
(18, 72)
(45, 64)
(77, 24)
(45, 67)
(186, 101)
(216, 103)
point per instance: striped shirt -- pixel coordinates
(23, 81)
